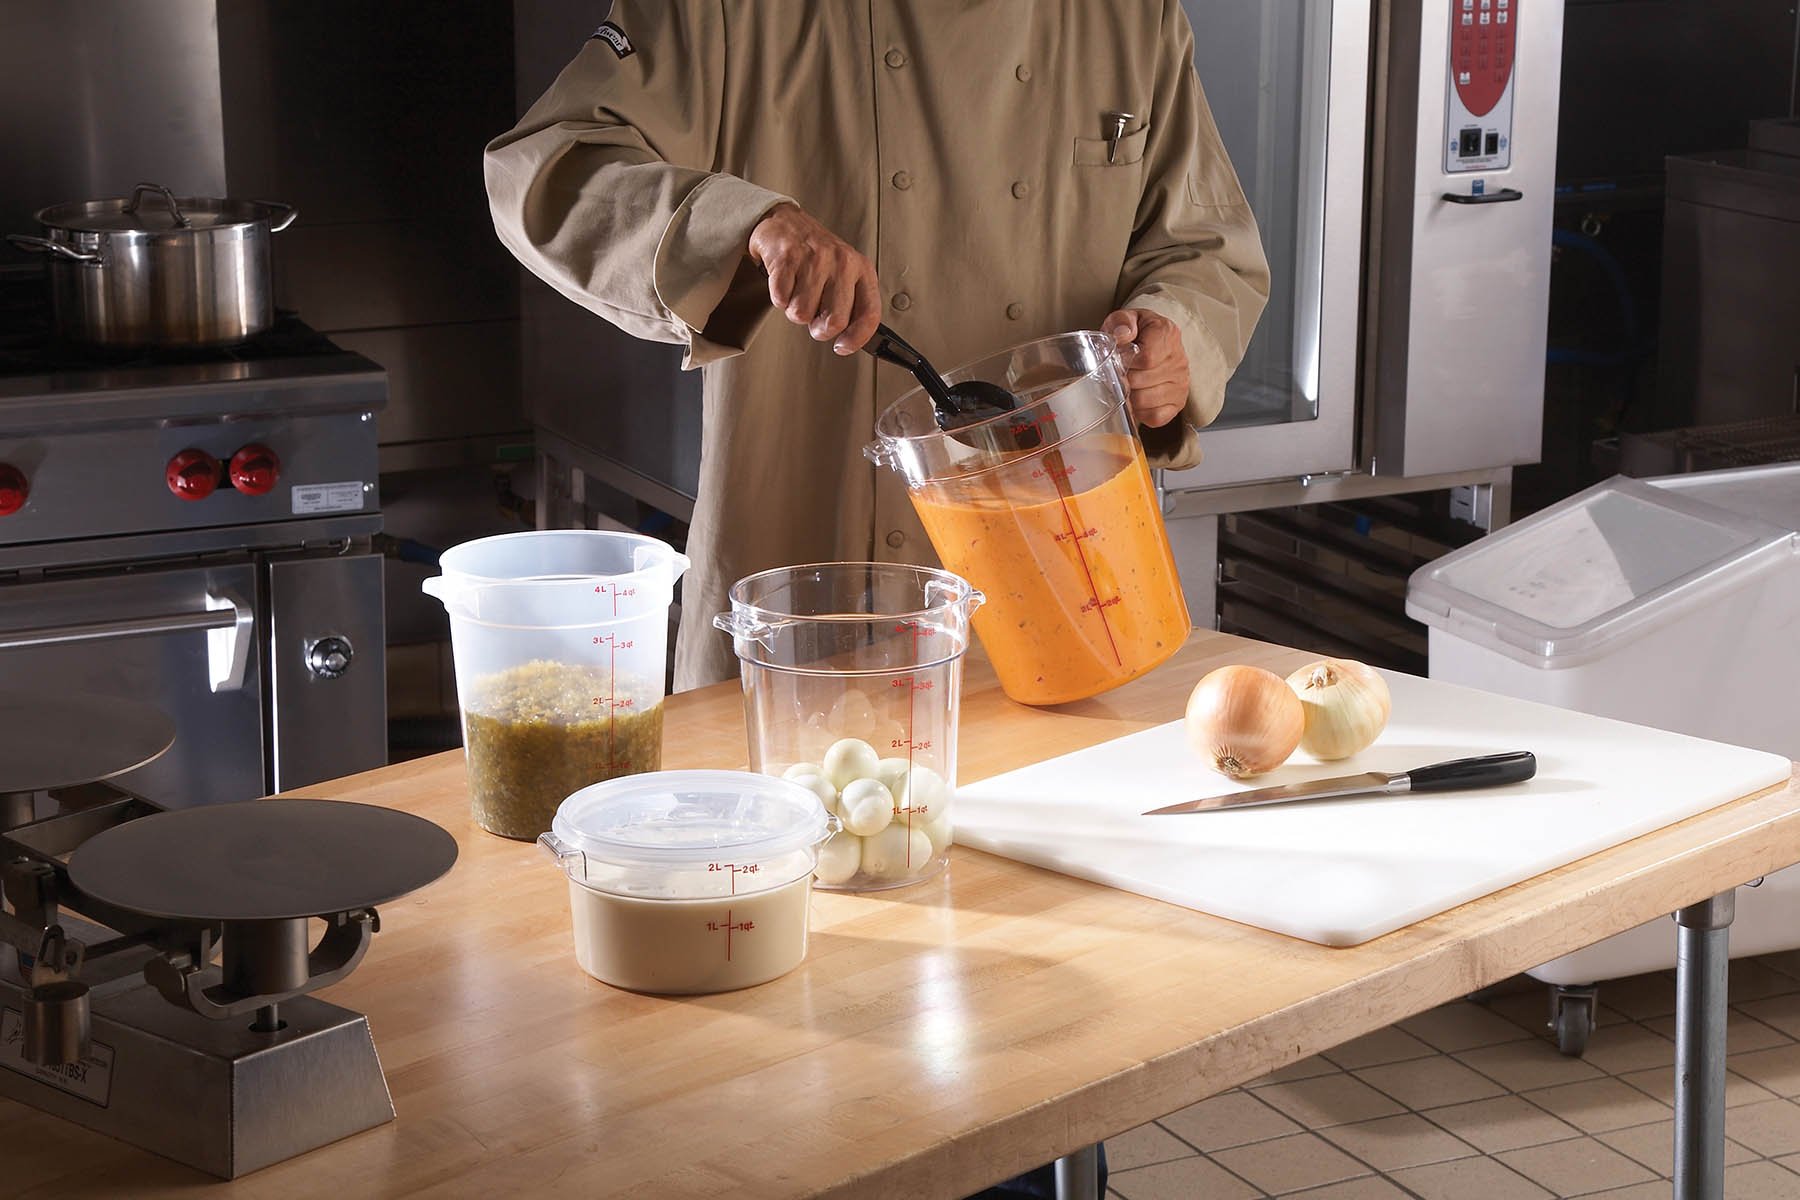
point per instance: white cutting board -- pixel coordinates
(1343, 871)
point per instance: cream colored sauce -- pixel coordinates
(690, 946)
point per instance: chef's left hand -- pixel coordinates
(1156, 365)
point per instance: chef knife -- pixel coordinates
(1457, 774)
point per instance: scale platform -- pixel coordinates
(60, 741)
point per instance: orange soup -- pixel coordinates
(1082, 593)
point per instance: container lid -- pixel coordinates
(1768, 493)
(683, 819)
(151, 212)
(1615, 561)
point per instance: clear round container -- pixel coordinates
(1049, 510)
(560, 639)
(852, 677)
(688, 882)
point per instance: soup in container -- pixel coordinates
(689, 882)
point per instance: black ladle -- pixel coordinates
(957, 405)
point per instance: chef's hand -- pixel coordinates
(1156, 366)
(817, 279)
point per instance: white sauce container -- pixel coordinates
(687, 882)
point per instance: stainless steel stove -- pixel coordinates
(193, 529)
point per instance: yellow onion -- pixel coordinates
(1346, 705)
(1244, 720)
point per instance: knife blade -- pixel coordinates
(1457, 774)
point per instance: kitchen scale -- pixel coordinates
(166, 959)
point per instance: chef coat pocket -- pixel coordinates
(1091, 152)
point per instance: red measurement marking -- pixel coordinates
(909, 744)
(614, 702)
(1096, 604)
(735, 870)
(1030, 423)
(609, 640)
(1078, 535)
(916, 685)
(728, 925)
(1056, 472)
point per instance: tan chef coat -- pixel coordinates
(960, 145)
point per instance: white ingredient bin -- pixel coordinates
(1672, 603)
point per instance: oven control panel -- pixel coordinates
(1478, 110)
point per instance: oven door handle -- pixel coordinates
(229, 625)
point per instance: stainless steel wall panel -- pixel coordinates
(102, 94)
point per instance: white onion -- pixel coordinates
(1244, 720)
(1346, 706)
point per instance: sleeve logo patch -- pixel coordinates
(615, 37)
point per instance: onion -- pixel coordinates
(1244, 720)
(1346, 705)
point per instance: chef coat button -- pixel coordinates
(895, 59)
(902, 301)
(896, 539)
(1014, 311)
(1021, 189)
(902, 180)
(1023, 73)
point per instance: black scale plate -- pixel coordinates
(261, 860)
(55, 741)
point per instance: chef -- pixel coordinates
(760, 183)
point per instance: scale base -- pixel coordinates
(210, 1094)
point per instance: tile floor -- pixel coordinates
(1472, 1101)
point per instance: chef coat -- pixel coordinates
(962, 146)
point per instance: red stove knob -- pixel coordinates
(193, 474)
(13, 489)
(254, 469)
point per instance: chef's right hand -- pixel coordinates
(817, 279)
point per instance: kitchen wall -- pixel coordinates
(102, 95)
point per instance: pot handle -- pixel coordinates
(137, 197)
(282, 216)
(38, 245)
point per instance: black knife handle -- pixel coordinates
(1490, 770)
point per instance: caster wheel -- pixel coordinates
(1573, 1022)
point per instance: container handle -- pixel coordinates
(137, 198)
(741, 625)
(281, 216)
(562, 854)
(38, 245)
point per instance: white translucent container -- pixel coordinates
(852, 682)
(560, 639)
(1639, 600)
(689, 882)
(1666, 602)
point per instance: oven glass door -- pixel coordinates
(1287, 82)
(183, 639)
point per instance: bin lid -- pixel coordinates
(1570, 583)
(1769, 493)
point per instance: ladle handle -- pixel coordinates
(891, 347)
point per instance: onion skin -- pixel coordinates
(1244, 720)
(1346, 705)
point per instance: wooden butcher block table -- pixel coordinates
(937, 1038)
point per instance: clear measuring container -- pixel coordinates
(852, 676)
(1049, 510)
(683, 882)
(560, 639)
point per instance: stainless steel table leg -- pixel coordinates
(1078, 1175)
(1702, 956)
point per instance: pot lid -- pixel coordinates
(683, 819)
(153, 209)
